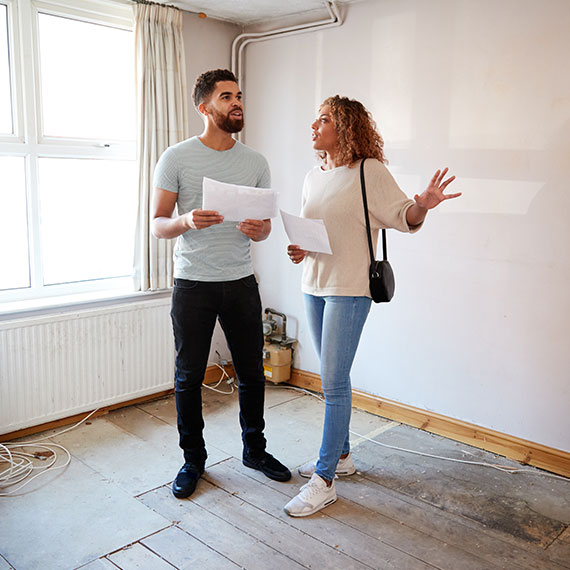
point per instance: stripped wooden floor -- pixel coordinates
(400, 511)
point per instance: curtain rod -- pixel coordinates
(155, 4)
(148, 2)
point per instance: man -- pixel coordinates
(213, 274)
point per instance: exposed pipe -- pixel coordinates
(246, 38)
(283, 319)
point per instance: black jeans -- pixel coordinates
(195, 307)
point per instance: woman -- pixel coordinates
(336, 288)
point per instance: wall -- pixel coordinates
(478, 329)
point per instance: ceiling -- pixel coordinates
(244, 12)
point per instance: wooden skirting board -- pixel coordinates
(526, 452)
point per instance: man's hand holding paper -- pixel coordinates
(199, 219)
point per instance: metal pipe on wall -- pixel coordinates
(241, 41)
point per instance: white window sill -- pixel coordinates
(67, 303)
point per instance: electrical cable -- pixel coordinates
(502, 468)
(21, 464)
(229, 381)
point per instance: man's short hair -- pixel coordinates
(206, 83)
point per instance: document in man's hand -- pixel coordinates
(306, 233)
(238, 203)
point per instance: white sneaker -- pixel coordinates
(313, 496)
(345, 467)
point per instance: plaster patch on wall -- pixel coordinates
(489, 196)
(392, 83)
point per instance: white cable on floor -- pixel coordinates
(502, 468)
(225, 375)
(20, 458)
(21, 463)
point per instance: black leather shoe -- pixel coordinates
(185, 483)
(268, 465)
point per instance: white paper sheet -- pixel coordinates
(238, 203)
(306, 233)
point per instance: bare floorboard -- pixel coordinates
(441, 539)
(256, 523)
(496, 506)
(235, 479)
(448, 528)
(559, 551)
(398, 512)
(219, 535)
(269, 529)
(494, 500)
(137, 556)
(185, 552)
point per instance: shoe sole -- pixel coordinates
(315, 510)
(339, 473)
(276, 477)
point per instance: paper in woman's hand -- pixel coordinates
(308, 234)
(238, 203)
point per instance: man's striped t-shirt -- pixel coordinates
(220, 252)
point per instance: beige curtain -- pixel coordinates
(162, 113)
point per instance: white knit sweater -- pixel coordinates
(335, 197)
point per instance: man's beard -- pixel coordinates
(226, 123)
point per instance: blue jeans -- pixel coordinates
(336, 325)
(195, 307)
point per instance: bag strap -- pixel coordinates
(365, 202)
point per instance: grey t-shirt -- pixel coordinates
(220, 252)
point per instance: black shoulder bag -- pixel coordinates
(381, 276)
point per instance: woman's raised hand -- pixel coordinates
(295, 253)
(433, 195)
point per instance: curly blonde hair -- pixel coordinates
(358, 136)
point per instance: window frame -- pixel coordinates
(27, 139)
(12, 28)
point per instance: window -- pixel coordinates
(15, 271)
(5, 95)
(88, 91)
(68, 177)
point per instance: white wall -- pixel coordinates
(479, 327)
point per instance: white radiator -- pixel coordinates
(54, 366)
